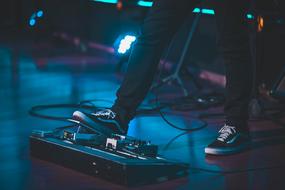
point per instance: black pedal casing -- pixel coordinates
(120, 169)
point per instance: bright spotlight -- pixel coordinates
(40, 13)
(32, 22)
(35, 17)
(125, 43)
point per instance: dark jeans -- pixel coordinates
(162, 22)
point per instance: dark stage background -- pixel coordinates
(103, 23)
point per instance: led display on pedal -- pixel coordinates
(68, 135)
(131, 145)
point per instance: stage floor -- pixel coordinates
(34, 75)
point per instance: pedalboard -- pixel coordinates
(118, 158)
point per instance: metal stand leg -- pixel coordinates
(176, 75)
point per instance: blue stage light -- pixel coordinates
(126, 43)
(150, 3)
(196, 10)
(34, 17)
(32, 22)
(107, 1)
(40, 13)
(145, 3)
(249, 16)
(208, 11)
(204, 11)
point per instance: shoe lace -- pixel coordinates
(225, 132)
(109, 114)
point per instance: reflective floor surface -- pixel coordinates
(34, 75)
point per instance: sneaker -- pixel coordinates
(105, 121)
(229, 141)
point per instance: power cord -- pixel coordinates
(35, 110)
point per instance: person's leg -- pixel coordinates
(233, 41)
(162, 22)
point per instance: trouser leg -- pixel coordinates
(233, 40)
(160, 25)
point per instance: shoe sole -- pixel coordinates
(85, 119)
(227, 151)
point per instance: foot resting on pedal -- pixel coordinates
(229, 141)
(106, 118)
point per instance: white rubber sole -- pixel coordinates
(226, 151)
